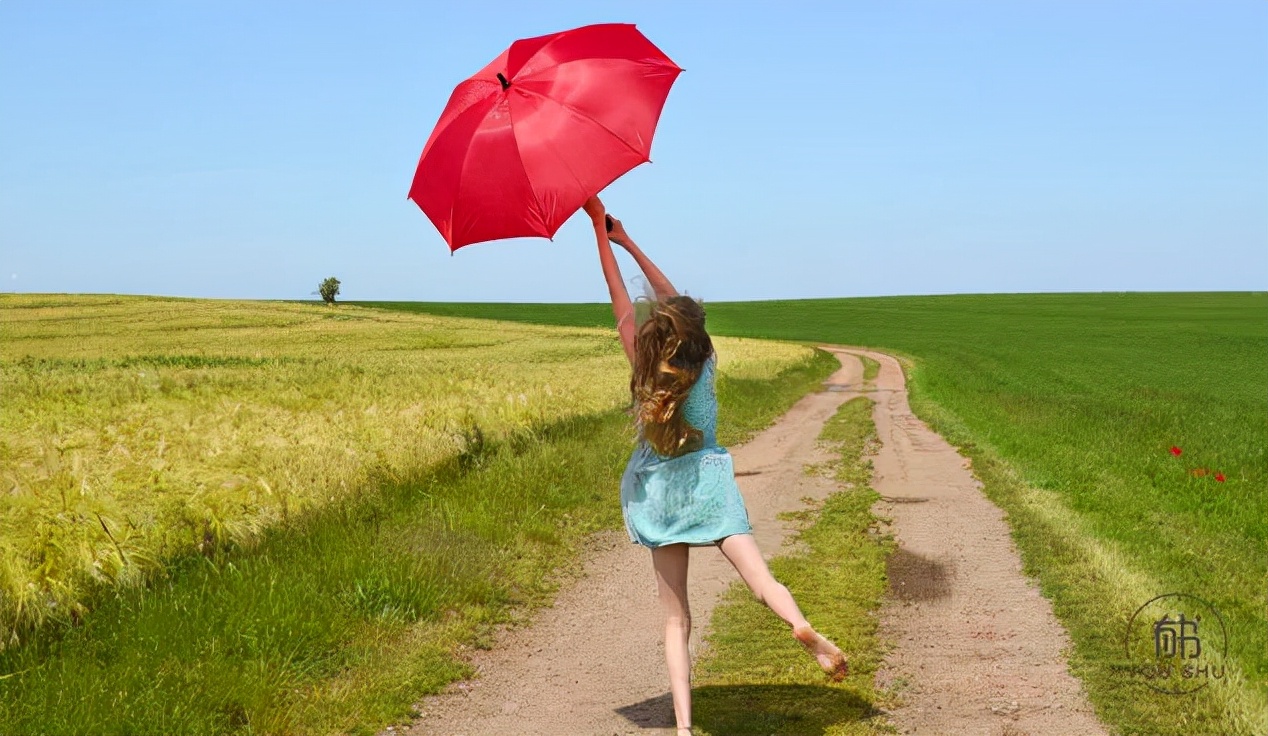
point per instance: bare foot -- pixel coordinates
(830, 658)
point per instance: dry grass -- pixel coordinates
(137, 428)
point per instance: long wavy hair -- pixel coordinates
(670, 350)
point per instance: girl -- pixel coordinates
(679, 489)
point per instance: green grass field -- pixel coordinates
(291, 618)
(455, 467)
(1068, 405)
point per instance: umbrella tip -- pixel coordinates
(505, 84)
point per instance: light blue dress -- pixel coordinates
(692, 498)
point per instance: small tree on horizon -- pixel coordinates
(328, 289)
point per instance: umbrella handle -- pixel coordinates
(607, 222)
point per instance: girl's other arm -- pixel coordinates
(622, 309)
(655, 277)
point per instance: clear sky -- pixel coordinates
(251, 148)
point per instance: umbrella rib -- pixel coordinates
(579, 113)
(541, 209)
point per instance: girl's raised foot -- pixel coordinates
(830, 658)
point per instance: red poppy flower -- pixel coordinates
(1219, 477)
(1175, 451)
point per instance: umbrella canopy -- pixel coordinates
(544, 127)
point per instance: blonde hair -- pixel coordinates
(671, 347)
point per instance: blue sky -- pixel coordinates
(250, 149)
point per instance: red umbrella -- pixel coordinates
(545, 126)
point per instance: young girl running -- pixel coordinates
(679, 489)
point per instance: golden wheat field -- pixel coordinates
(136, 428)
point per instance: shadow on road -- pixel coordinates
(739, 710)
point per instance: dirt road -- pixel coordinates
(977, 647)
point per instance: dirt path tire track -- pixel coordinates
(976, 644)
(593, 663)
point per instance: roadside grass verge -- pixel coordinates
(1068, 405)
(755, 679)
(340, 618)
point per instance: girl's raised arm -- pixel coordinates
(622, 309)
(655, 277)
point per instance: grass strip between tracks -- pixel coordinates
(755, 678)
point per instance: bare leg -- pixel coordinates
(670, 564)
(742, 551)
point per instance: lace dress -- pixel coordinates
(692, 498)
